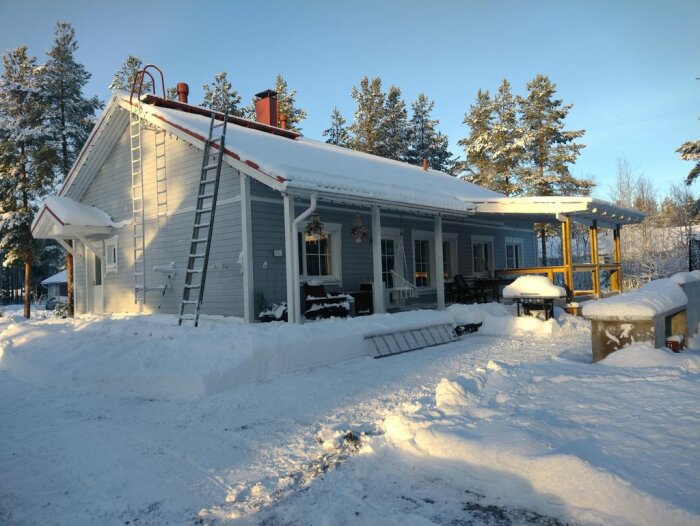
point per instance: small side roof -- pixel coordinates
(61, 277)
(63, 217)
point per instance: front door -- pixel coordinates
(95, 282)
(392, 260)
(482, 257)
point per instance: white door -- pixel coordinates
(95, 283)
(482, 257)
(392, 260)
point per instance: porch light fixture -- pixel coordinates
(358, 230)
(314, 228)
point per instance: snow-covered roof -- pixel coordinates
(584, 209)
(302, 166)
(61, 277)
(58, 214)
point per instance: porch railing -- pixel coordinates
(594, 268)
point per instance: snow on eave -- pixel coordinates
(583, 208)
(61, 277)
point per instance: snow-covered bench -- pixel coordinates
(658, 310)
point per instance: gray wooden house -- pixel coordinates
(386, 225)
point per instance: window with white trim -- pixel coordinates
(514, 253)
(320, 255)
(424, 266)
(111, 255)
(482, 255)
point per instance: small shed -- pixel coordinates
(57, 285)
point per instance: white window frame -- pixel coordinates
(518, 242)
(478, 239)
(111, 251)
(336, 276)
(424, 235)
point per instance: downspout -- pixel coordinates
(295, 235)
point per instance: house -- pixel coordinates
(56, 285)
(385, 225)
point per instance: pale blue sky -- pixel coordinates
(629, 67)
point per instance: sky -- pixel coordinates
(629, 68)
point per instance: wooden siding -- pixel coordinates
(167, 236)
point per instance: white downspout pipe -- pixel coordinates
(289, 243)
(295, 235)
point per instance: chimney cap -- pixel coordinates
(266, 93)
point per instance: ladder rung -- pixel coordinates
(203, 210)
(197, 256)
(202, 225)
(194, 271)
(138, 273)
(207, 181)
(191, 286)
(190, 302)
(206, 196)
(199, 240)
(212, 166)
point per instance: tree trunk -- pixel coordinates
(69, 281)
(543, 234)
(27, 286)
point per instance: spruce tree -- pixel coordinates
(221, 96)
(27, 160)
(506, 143)
(394, 126)
(124, 77)
(690, 151)
(424, 141)
(337, 134)
(286, 105)
(367, 127)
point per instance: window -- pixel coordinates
(319, 259)
(388, 262)
(111, 255)
(514, 253)
(421, 255)
(482, 263)
(447, 270)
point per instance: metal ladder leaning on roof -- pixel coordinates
(205, 210)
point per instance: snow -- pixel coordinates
(73, 213)
(656, 297)
(534, 286)
(310, 165)
(130, 419)
(61, 277)
(682, 278)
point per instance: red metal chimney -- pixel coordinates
(283, 121)
(425, 164)
(266, 107)
(182, 91)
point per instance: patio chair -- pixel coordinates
(464, 292)
(320, 304)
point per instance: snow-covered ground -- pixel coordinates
(131, 420)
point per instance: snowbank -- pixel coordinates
(548, 438)
(645, 355)
(653, 298)
(536, 286)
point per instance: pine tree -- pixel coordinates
(221, 96)
(550, 148)
(27, 160)
(69, 115)
(337, 134)
(479, 167)
(124, 78)
(286, 105)
(367, 127)
(424, 141)
(394, 126)
(690, 151)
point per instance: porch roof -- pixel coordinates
(61, 217)
(582, 210)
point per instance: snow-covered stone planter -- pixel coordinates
(651, 313)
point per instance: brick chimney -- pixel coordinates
(183, 90)
(266, 107)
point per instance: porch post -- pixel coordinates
(566, 253)
(617, 255)
(289, 242)
(377, 284)
(593, 234)
(247, 235)
(439, 264)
